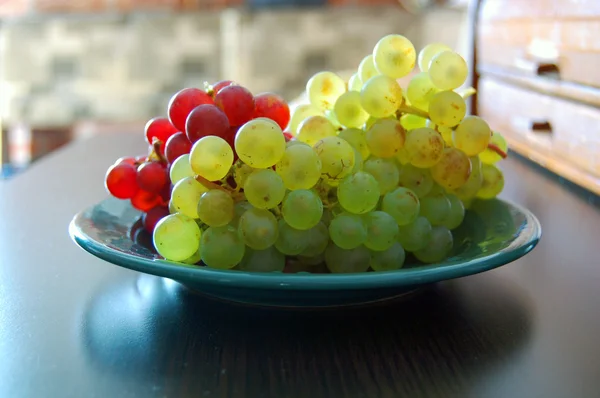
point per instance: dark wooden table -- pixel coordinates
(72, 325)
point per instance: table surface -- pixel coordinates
(72, 325)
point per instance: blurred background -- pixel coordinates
(74, 68)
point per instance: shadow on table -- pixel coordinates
(152, 331)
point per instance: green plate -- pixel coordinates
(494, 233)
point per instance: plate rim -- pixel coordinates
(321, 282)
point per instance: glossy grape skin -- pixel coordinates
(207, 120)
(176, 237)
(237, 103)
(453, 169)
(382, 230)
(153, 216)
(472, 135)
(216, 87)
(389, 259)
(152, 177)
(447, 109)
(385, 172)
(260, 143)
(340, 260)
(302, 209)
(420, 91)
(348, 231)
(416, 179)
(264, 189)
(367, 69)
(299, 168)
(438, 247)
(357, 139)
(216, 208)
(180, 169)
(337, 158)
(183, 102)
(315, 128)
(428, 52)
(186, 195)
(161, 129)
(121, 180)
(211, 157)
(144, 201)
(177, 145)
(394, 56)
(416, 235)
(493, 182)
(272, 106)
(358, 193)
(300, 113)
(424, 147)
(258, 228)
(221, 247)
(349, 111)
(381, 96)
(448, 70)
(324, 88)
(402, 204)
(385, 138)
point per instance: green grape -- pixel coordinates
(394, 56)
(381, 96)
(403, 157)
(267, 260)
(300, 167)
(447, 109)
(302, 209)
(358, 162)
(411, 122)
(456, 214)
(428, 52)
(300, 113)
(448, 70)
(420, 91)
(424, 147)
(446, 132)
(493, 182)
(489, 156)
(324, 88)
(348, 231)
(180, 169)
(221, 247)
(402, 204)
(388, 260)
(291, 241)
(367, 69)
(241, 171)
(438, 247)
(172, 208)
(332, 117)
(295, 142)
(309, 263)
(211, 157)
(176, 237)
(315, 128)
(186, 195)
(417, 180)
(469, 189)
(382, 230)
(238, 210)
(258, 228)
(435, 208)
(337, 158)
(318, 238)
(216, 208)
(416, 235)
(260, 143)
(358, 140)
(385, 172)
(341, 261)
(349, 111)
(264, 189)
(453, 169)
(358, 193)
(195, 259)
(385, 138)
(354, 83)
(472, 135)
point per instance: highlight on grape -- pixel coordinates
(364, 175)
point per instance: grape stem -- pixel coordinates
(155, 153)
(237, 196)
(466, 93)
(498, 150)
(412, 110)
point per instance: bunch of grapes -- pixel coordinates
(365, 173)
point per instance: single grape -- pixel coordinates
(291, 241)
(382, 230)
(337, 158)
(490, 157)
(324, 88)
(493, 182)
(385, 172)
(416, 235)
(421, 90)
(260, 143)
(237, 103)
(302, 209)
(176, 237)
(299, 168)
(358, 193)
(348, 231)
(357, 139)
(302, 112)
(402, 204)
(145, 201)
(472, 135)
(177, 145)
(381, 96)
(453, 169)
(186, 195)
(211, 157)
(161, 129)
(153, 216)
(258, 228)
(207, 120)
(448, 70)
(416, 179)
(221, 247)
(424, 147)
(216, 87)
(367, 69)
(215, 208)
(354, 83)
(195, 259)
(385, 138)
(388, 260)
(349, 111)
(264, 189)
(152, 177)
(394, 56)
(428, 52)
(238, 210)
(456, 214)
(435, 207)
(267, 260)
(340, 260)
(318, 239)
(447, 109)
(315, 128)
(469, 189)
(439, 246)
(121, 180)
(272, 106)
(180, 169)
(172, 208)
(411, 122)
(183, 102)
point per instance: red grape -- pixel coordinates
(144, 201)
(272, 106)
(231, 141)
(153, 216)
(237, 103)
(288, 136)
(152, 177)
(165, 194)
(159, 128)
(126, 159)
(176, 146)
(219, 85)
(206, 120)
(183, 102)
(121, 180)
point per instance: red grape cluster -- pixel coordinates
(192, 114)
